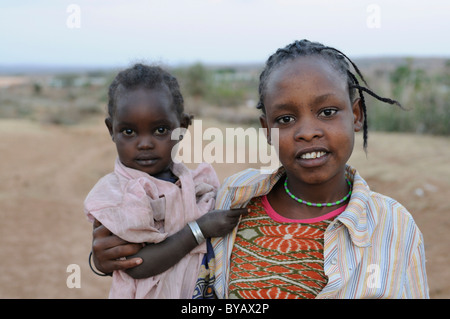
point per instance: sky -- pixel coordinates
(116, 33)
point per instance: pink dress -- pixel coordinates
(142, 209)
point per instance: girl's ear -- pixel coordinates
(108, 123)
(263, 121)
(358, 115)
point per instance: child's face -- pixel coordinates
(141, 128)
(308, 101)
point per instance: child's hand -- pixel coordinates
(218, 223)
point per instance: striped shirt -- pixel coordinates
(373, 249)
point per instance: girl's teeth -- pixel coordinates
(312, 155)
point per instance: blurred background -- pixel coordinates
(57, 59)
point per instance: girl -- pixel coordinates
(315, 229)
(148, 197)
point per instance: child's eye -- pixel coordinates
(128, 132)
(161, 130)
(285, 119)
(328, 112)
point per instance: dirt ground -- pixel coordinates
(46, 172)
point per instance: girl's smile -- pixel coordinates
(312, 157)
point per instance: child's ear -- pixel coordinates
(185, 120)
(263, 121)
(108, 123)
(358, 115)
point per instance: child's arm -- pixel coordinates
(159, 257)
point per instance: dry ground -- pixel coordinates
(46, 171)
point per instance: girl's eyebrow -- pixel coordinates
(317, 100)
(321, 98)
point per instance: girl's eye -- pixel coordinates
(128, 132)
(161, 130)
(328, 112)
(285, 119)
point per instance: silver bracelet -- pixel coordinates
(197, 232)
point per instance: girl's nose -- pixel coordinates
(307, 130)
(145, 143)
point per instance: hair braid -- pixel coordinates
(363, 105)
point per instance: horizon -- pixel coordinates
(26, 68)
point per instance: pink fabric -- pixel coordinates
(278, 218)
(140, 208)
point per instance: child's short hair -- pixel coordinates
(144, 76)
(336, 58)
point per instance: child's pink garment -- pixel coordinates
(140, 208)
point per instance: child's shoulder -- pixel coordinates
(108, 179)
(203, 173)
(106, 185)
(105, 193)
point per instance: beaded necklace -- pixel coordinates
(318, 204)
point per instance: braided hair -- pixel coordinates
(336, 58)
(144, 76)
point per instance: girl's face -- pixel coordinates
(141, 128)
(308, 101)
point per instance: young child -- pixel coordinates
(148, 197)
(315, 229)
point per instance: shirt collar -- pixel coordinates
(355, 215)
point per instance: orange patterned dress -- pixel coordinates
(278, 258)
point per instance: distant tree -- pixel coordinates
(197, 80)
(37, 88)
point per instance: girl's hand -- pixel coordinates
(107, 249)
(218, 223)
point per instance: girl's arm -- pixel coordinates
(157, 258)
(107, 250)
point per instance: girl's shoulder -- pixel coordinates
(241, 187)
(371, 215)
(378, 207)
(252, 177)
